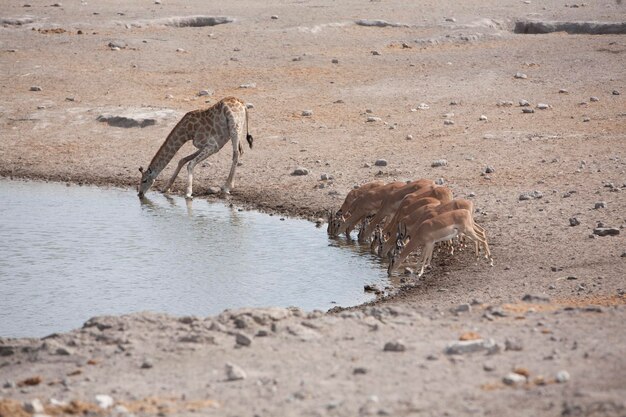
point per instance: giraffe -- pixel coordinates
(209, 129)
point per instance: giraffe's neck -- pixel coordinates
(166, 152)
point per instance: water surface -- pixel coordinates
(68, 253)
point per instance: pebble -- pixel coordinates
(616, 93)
(147, 364)
(448, 122)
(520, 75)
(381, 163)
(359, 371)
(36, 88)
(573, 221)
(606, 231)
(249, 106)
(482, 118)
(459, 347)
(375, 53)
(205, 93)
(307, 113)
(373, 119)
(396, 346)
(33, 406)
(527, 110)
(274, 17)
(439, 163)
(300, 171)
(563, 91)
(181, 50)
(234, 372)
(562, 376)
(423, 106)
(214, 190)
(524, 103)
(250, 85)
(243, 340)
(586, 119)
(489, 367)
(600, 205)
(513, 343)
(334, 61)
(440, 181)
(513, 379)
(450, 19)
(504, 103)
(594, 98)
(534, 298)
(324, 177)
(409, 137)
(461, 308)
(489, 169)
(104, 401)
(542, 106)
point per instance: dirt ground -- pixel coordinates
(460, 59)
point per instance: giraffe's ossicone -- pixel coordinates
(209, 129)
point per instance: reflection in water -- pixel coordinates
(70, 253)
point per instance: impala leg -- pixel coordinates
(427, 252)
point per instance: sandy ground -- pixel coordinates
(460, 60)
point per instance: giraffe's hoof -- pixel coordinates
(188, 197)
(226, 190)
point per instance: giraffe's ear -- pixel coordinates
(141, 169)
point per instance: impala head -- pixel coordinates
(147, 179)
(334, 222)
(364, 223)
(394, 257)
(377, 240)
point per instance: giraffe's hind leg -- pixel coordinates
(237, 150)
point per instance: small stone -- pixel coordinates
(616, 93)
(234, 372)
(372, 288)
(606, 231)
(450, 19)
(63, 351)
(600, 205)
(542, 106)
(375, 53)
(520, 75)
(514, 379)
(181, 50)
(524, 103)
(562, 377)
(36, 88)
(381, 163)
(409, 137)
(461, 308)
(334, 61)
(299, 171)
(397, 346)
(324, 177)
(147, 364)
(243, 340)
(9, 384)
(448, 122)
(513, 343)
(249, 85)
(423, 106)
(489, 367)
(205, 93)
(359, 371)
(573, 221)
(307, 113)
(594, 98)
(274, 17)
(214, 190)
(249, 106)
(460, 347)
(440, 181)
(371, 119)
(482, 118)
(527, 110)
(471, 194)
(34, 406)
(563, 91)
(439, 163)
(534, 298)
(586, 119)
(104, 401)
(489, 169)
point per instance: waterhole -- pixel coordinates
(68, 253)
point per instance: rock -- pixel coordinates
(307, 113)
(375, 53)
(489, 169)
(594, 99)
(378, 23)
(64, 351)
(274, 17)
(586, 119)
(573, 221)
(234, 372)
(249, 85)
(396, 346)
(36, 88)
(299, 171)
(482, 118)
(381, 163)
(117, 44)
(600, 205)
(461, 308)
(448, 122)
(242, 339)
(615, 93)
(520, 75)
(450, 19)
(409, 137)
(139, 117)
(562, 377)
(504, 103)
(33, 406)
(524, 103)
(489, 367)
(324, 177)
(359, 371)
(460, 347)
(147, 364)
(606, 231)
(214, 190)
(371, 119)
(440, 181)
(514, 379)
(334, 61)
(527, 110)
(534, 298)
(530, 195)
(563, 91)
(9, 385)
(577, 27)
(439, 163)
(104, 401)
(542, 106)
(423, 106)
(372, 288)
(513, 343)
(205, 93)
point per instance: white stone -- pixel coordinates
(562, 376)
(104, 401)
(33, 406)
(513, 379)
(234, 372)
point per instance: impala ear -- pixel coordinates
(141, 169)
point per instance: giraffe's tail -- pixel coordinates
(249, 137)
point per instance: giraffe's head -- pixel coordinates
(147, 179)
